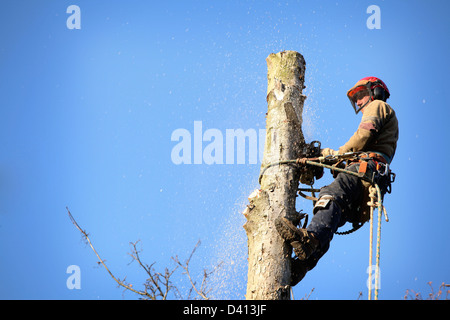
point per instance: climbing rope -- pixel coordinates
(313, 163)
(375, 202)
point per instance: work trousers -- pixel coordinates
(346, 192)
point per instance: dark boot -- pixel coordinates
(303, 242)
(299, 269)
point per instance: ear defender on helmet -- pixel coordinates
(380, 94)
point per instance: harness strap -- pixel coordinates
(375, 156)
(363, 167)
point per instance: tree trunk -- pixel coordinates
(269, 268)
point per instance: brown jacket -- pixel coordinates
(377, 132)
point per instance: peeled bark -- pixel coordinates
(269, 256)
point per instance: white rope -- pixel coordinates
(375, 194)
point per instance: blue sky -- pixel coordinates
(87, 117)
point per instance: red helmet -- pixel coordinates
(372, 86)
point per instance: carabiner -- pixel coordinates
(386, 169)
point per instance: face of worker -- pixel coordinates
(362, 100)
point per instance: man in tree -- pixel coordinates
(342, 200)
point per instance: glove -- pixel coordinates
(328, 152)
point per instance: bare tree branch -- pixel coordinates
(185, 266)
(102, 262)
(202, 291)
(157, 285)
(411, 294)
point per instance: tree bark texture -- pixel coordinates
(269, 267)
